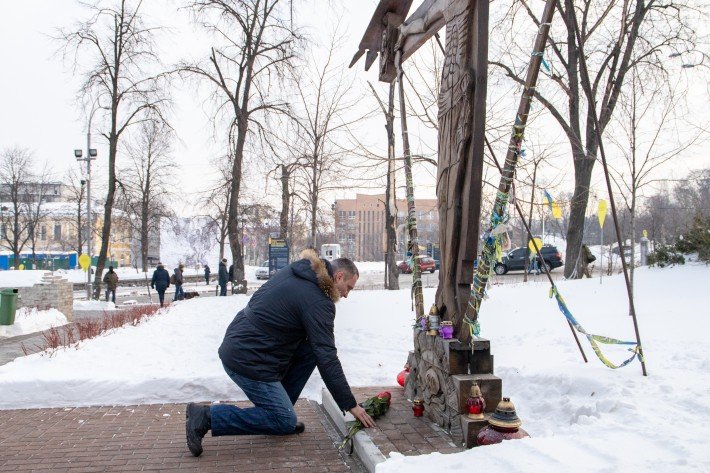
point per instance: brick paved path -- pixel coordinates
(152, 438)
(399, 431)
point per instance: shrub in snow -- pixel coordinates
(665, 255)
(697, 239)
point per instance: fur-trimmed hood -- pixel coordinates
(323, 277)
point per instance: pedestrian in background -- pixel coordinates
(207, 275)
(111, 281)
(586, 257)
(223, 277)
(160, 282)
(178, 280)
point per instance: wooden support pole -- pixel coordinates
(480, 279)
(586, 85)
(537, 249)
(411, 209)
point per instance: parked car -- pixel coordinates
(515, 259)
(425, 264)
(262, 272)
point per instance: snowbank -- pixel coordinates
(94, 305)
(30, 320)
(582, 417)
(24, 278)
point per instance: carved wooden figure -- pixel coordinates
(441, 368)
(462, 100)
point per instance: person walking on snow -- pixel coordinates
(223, 277)
(160, 282)
(111, 281)
(586, 256)
(207, 275)
(273, 345)
(179, 293)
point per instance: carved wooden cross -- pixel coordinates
(462, 102)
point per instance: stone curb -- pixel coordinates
(363, 446)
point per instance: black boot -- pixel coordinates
(300, 427)
(198, 422)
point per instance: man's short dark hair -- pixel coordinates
(346, 265)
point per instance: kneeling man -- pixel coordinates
(271, 348)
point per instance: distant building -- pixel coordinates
(360, 225)
(32, 191)
(56, 231)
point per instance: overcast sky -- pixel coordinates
(38, 107)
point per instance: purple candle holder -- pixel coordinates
(446, 330)
(423, 323)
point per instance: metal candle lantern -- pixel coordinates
(418, 407)
(433, 324)
(475, 403)
(504, 424)
(447, 330)
(433, 320)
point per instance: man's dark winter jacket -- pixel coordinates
(178, 276)
(161, 279)
(295, 306)
(223, 277)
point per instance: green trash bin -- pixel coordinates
(8, 305)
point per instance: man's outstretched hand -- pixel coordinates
(360, 414)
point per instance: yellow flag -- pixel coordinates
(556, 210)
(601, 212)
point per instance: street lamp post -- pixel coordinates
(91, 154)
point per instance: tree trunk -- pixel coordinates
(530, 217)
(144, 234)
(235, 244)
(391, 270)
(80, 241)
(108, 206)
(285, 201)
(314, 196)
(578, 207)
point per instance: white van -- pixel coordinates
(330, 251)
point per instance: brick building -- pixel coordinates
(360, 225)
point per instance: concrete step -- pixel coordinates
(363, 447)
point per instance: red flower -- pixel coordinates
(385, 395)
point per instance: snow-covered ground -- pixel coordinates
(30, 320)
(14, 278)
(582, 417)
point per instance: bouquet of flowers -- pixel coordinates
(376, 407)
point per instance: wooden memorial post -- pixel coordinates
(442, 371)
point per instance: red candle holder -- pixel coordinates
(475, 403)
(418, 407)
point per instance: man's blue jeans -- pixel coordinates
(179, 293)
(273, 412)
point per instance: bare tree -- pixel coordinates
(15, 174)
(258, 45)
(647, 139)
(216, 200)
(391, 269)
(76, 195)
(616, 36)
(323, 93)
(36, 210)
(119, 52)
(144, 183)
